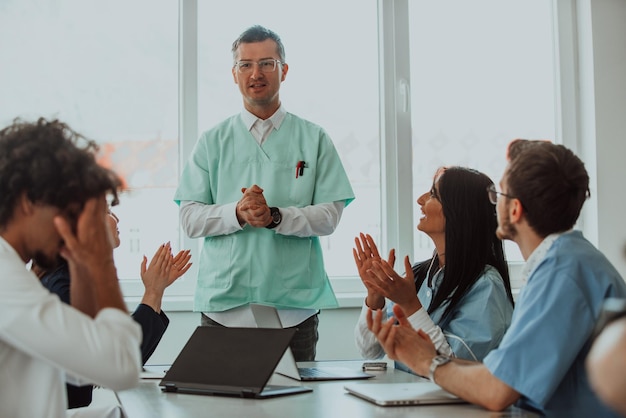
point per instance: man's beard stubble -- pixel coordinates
(505, 229)
(45, 262)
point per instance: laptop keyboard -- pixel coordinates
(313, 372)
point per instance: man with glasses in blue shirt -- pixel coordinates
(540, 363)
(260, 188)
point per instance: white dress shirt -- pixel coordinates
(45, 342)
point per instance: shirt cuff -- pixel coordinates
(421, 320)
(229, 216)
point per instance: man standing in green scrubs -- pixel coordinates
(260, 188)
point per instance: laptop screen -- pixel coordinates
(239, 358)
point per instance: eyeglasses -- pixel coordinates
(265, 66)
(493, 194)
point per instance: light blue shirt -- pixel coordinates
(473, 328)
(542, 356)
(480, 319)
(477, 323)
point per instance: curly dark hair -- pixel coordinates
(53, 165)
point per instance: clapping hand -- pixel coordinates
(162, 271)
(401, 341)
(383, 279)
(365, 253)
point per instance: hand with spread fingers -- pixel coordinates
(383, 279)
(180, 265)
(162, 271)
(365, 253)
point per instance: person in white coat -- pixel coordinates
(53, 202)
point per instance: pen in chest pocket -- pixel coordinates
(300, 168)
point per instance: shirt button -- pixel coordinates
(428, 293)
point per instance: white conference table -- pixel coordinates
(328, 399)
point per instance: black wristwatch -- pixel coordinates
(276, 218)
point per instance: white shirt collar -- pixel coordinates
(276, 119)
(8, 248)
(538, 255)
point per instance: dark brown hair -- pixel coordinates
(550, 181)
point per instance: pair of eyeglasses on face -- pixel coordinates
(493, 194)
(265, 66)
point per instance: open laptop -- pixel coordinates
(267, 317)
(396, 394)
(230, 362)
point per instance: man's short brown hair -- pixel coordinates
(550, 181)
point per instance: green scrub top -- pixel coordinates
(257, 264)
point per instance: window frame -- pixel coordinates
(395, 123)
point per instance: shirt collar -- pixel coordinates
(276, 119)
(5, 247)
(438, 278)
(538, 255)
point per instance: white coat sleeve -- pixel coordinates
(103, 350)
(421, 320)
(366, 342)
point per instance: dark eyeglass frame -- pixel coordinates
(492, 193)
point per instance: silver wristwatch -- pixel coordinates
(439, 360)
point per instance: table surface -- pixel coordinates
(328, 399)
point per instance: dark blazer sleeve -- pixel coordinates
(153, 326)
(57, 281)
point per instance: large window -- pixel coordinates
(482, 74)
(402, 87)
(110, 70)
(332, 81)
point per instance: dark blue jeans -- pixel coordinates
(303, 342)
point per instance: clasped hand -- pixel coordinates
(252, 209)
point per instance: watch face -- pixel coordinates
(276, 218)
